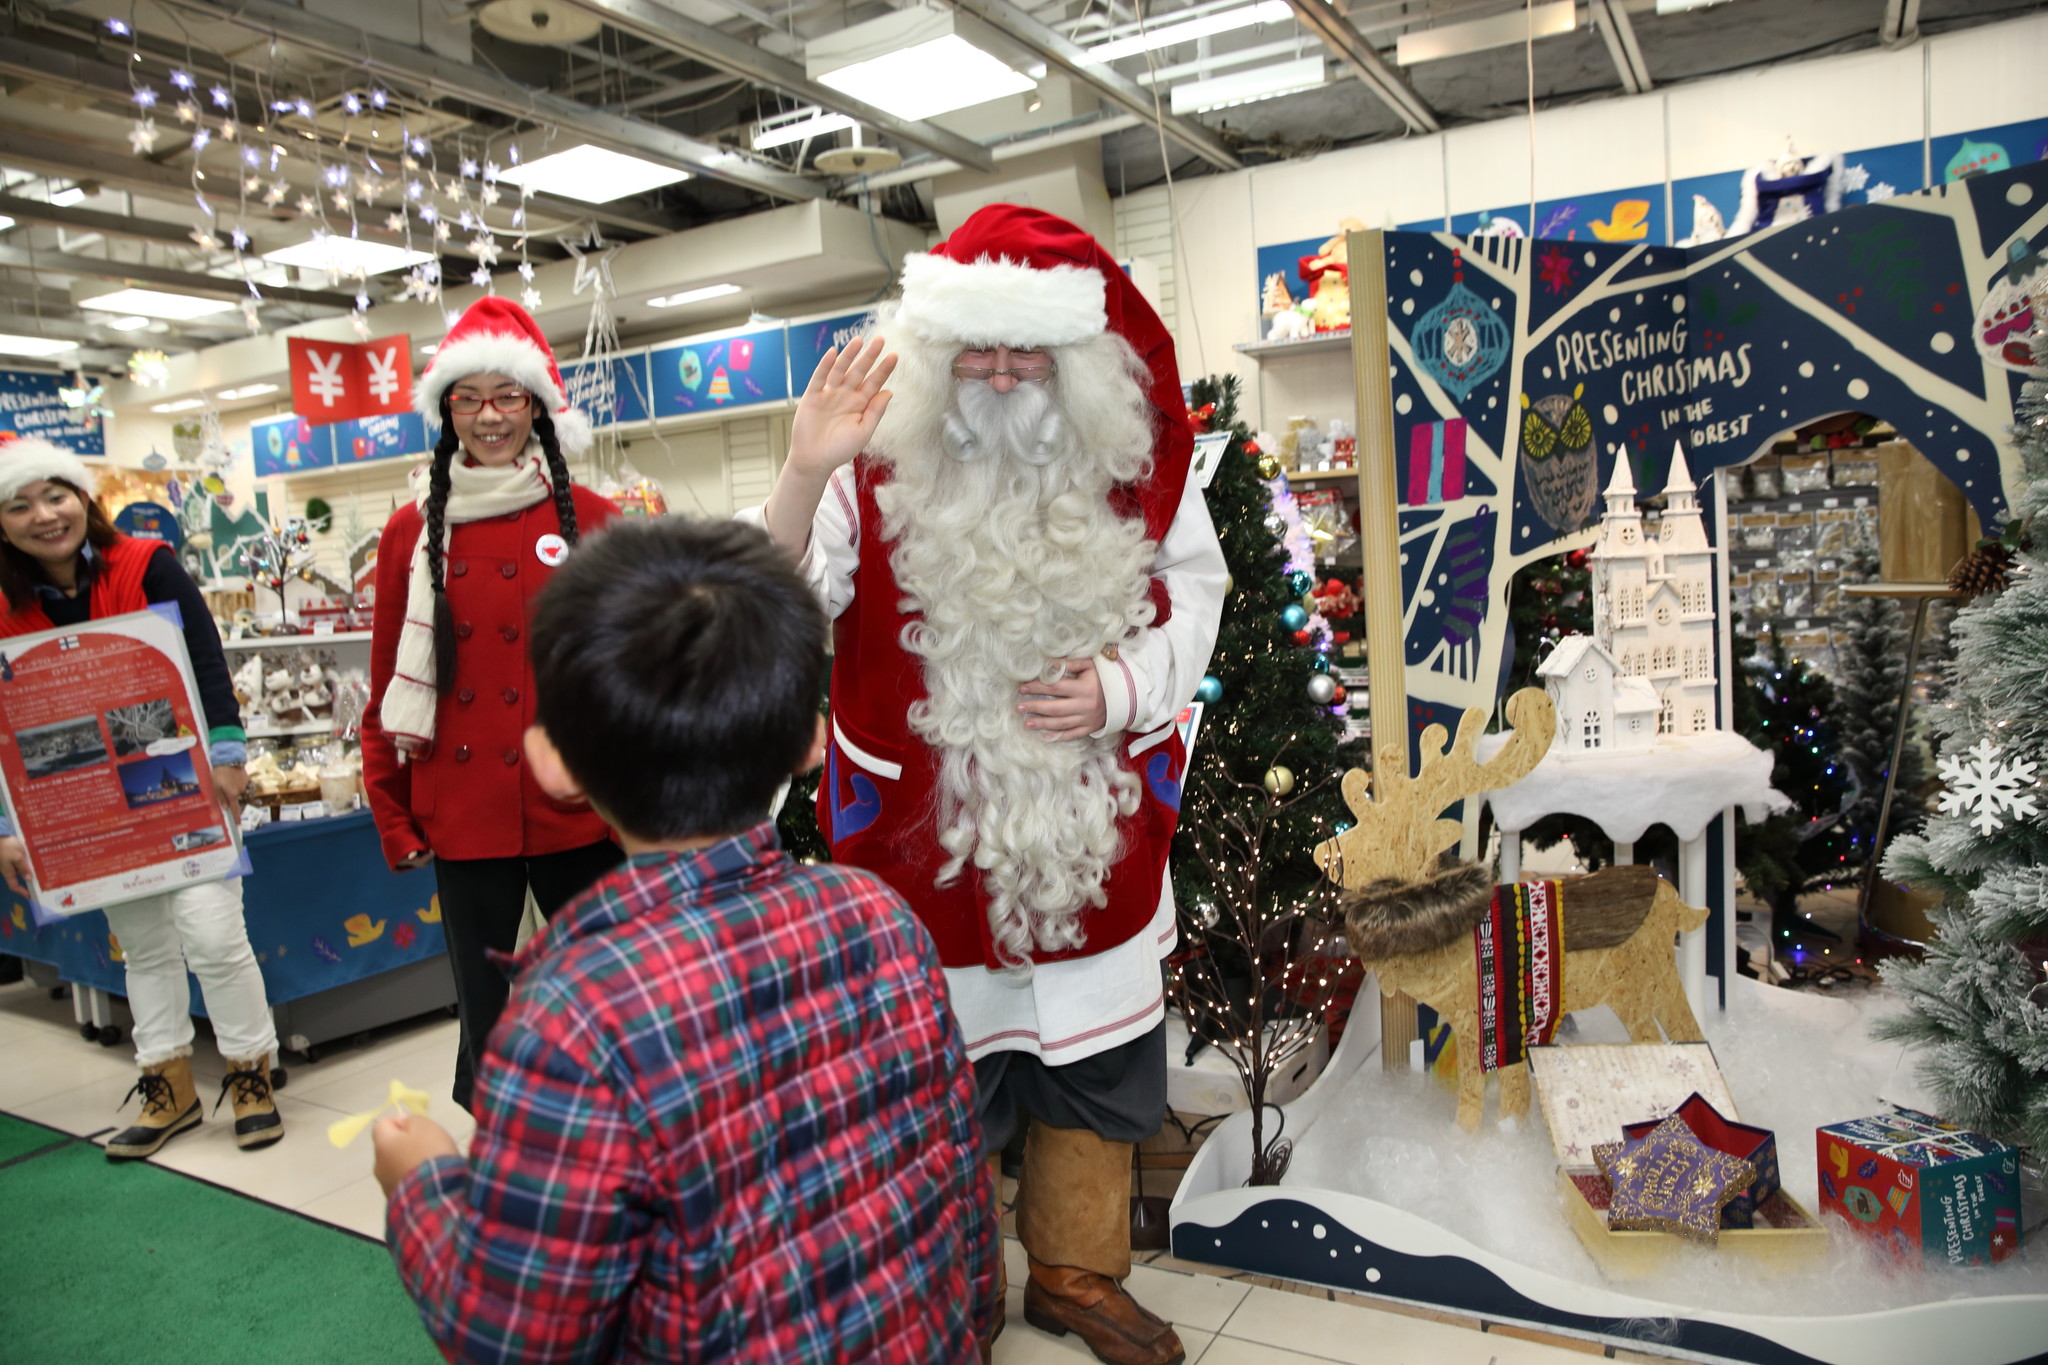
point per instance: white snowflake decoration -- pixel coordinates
(1985, 789)
(1878, 193)
(529, 298)
(142, 137)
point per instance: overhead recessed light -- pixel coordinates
(155, 303)
(591, 175)
(65, 198)
(1245, 87)
(247, 391)
(5, 222)
(33, 346)
(806, 123)
(917, 63)
(347, 256)
(133, 322)
(1227, 21)
(709, 291)
(430, 348)
(182, 405)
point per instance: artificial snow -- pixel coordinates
(1683, 782)
(1793, 1061)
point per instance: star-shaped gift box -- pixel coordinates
(1757, 1146)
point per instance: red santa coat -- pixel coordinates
(472, 794)
(878, 801)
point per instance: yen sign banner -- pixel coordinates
(338, 381)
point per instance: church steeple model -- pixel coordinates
(1653, 600)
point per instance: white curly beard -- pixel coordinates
(1009, 552)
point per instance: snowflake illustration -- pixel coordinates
(1878, 193)
(1855, 177)
(1985, 789)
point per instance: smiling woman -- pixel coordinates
(61, 564)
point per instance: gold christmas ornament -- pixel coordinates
(1279, 780)
(1269, 467)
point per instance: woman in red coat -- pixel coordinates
(457, 573)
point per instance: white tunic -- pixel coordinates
(1075, 1008)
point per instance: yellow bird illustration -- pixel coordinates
(432, 914)
(361, 930)
(1631, 222)
(114, 952)
(20, 918)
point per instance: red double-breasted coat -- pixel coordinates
(471, 795)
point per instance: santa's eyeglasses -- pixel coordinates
(1023, 374)
(466, 405)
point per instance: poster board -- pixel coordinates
(104, 765)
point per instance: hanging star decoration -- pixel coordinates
(594, 273)
(489, 194)
(188, 112)
(361, 325)
(378, 99)
(413, 189)
(142, 137)
(481, 277)
(394, 222)
(529, 298)
(145, 96)
(239, 239)
(484, 247)
(490, 171)
(308, 205)
(220, 97)
(228, 130)
(352, 103)
(251, 184)
(429, 214)
(468, 221)
(519, 218)
(205, 239)
(251, 316)
(441, 232)
(276, 193)
(340, 201)
(252, 158)
(526, 271)
(182, 80)
(200, 137)
(451, 317)
(468, 169)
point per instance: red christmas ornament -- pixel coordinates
(1338, 637)
(1577, 559)
(1251, 447)
(1302, 637)
(1337, 697)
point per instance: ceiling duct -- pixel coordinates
(538, 23)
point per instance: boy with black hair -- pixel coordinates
(727, 1115)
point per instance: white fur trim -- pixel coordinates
(572, 430)
(1000, 303)
(32, 460)
(515, 357)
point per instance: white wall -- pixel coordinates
(1202, 234)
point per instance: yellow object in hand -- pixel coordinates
(403, 1098)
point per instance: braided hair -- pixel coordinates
(438, 484)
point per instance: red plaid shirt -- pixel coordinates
(727, 1116)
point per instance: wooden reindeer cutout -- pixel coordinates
(1410, 915)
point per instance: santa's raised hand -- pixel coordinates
(838, 414)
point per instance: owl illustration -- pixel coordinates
(1559, 459)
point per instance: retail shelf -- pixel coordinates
(1321, 475)
(1323, 341)
(338, 637)
(309, 727)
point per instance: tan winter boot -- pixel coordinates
(1074, 1218)
(170, 1105)
(257, 1122)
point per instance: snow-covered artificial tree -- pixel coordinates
(1976, 1005)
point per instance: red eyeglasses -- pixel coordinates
(465, 405)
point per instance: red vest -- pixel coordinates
(116, 587)
(878, 800)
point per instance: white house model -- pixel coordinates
(1648, 668)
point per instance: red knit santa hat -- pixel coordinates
(497, 336)
(1020, 277)
(30, 459)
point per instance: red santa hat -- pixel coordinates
(1020, 277)
(497, 336)
(30, 459)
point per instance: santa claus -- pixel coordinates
(1025, 593)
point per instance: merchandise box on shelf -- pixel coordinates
(1923, 1189)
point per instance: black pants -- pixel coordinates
(1118, 1095)
(482, 900)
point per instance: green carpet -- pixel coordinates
(137, 1263)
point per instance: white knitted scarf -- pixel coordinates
(474, 493)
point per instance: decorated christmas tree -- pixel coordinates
(1256, 971)
(1870, 657)
(1976, 1006)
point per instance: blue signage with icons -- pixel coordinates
(150, 521)
(290, 445)
(720, 372)
(31, 406)
(611, 391)
(808, 342)
(386, 437)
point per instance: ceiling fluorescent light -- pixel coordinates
(5, 222)
(132, 323)
(1244, 87)
(1226, 21)
(182, 405)
(33, 346)
(709, 291)
(66, 198)
(155, 303)
(1681, 6)
(1479, 35)
(347, 256)
(806, 123)
(918, 63)
(591, 175)
(246, 391)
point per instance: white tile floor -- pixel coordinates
(53, 1077)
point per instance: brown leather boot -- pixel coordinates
(170, 1105)
(1074, 1218)
(257, 1122)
